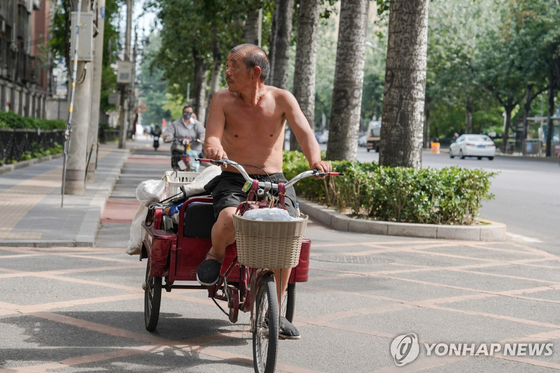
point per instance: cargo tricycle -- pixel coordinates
(175, 245)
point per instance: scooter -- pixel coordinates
(183, 158)
(156, 142)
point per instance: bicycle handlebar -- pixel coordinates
(266, 184)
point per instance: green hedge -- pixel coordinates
(451, 196)
(9, 119)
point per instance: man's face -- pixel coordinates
(237, 75)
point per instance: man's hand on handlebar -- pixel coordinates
(215, 153)
(322, 166)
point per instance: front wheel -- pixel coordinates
(265, 329)
(152, 300)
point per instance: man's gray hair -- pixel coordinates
(254, 56)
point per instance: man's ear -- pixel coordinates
(256, 72)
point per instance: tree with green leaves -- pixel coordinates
(153, 87)
(453, 77)
(60, 43)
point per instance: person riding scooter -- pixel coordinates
(185, 132)
(156, 133)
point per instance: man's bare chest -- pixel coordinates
(254, 119)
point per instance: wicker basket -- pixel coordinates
(268, 244)
(174, 179)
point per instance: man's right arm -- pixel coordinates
(215, 128)
(169, 132)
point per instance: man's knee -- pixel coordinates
(224, 224)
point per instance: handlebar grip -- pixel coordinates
(215, 161)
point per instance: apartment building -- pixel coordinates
(25, 70)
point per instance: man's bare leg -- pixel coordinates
(281, 276)
(287, 330)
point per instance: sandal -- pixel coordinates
(287, 330)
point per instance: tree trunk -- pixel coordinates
(272, 43)
(468, 116)
(216, 73)
(283, 14)
(348, 81)
(405, 84)
(527, 108)
(508, 108)
(251, 30)
(427, 123)
(306, 58)
(550, 123)
(199, 104)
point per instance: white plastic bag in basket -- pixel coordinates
(150, 191)
(269, 215)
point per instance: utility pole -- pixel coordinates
(132, 96)
(96, 91)
(74, 181)
(123, 117)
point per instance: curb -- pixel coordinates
(16, 166)
(491, 232)
(511, 156)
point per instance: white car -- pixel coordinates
(471, 145)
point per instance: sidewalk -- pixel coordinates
(30, 201)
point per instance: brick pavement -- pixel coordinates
(361, 294)
(30, 201)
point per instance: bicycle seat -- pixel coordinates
(199, 219)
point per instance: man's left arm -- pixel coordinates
(303, 132)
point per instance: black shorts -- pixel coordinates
(226, 190)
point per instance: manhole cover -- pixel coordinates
(351, 259)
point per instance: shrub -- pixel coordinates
(448, 196)
(9, 119)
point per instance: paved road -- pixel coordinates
(527, 194)
(80, 309)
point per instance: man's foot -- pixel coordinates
(208, 272)
(288, 330)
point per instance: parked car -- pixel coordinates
(471, 145)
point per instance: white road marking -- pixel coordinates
(522, 238)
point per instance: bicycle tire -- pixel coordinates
(289, 302)
(266, 327)
(152, 300)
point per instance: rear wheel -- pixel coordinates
(152, 300)
(491, 158)
(265, 332)
(451, 154)
(461, 154)
(479, 158)
(289, 302)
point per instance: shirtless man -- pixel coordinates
(246, 124)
